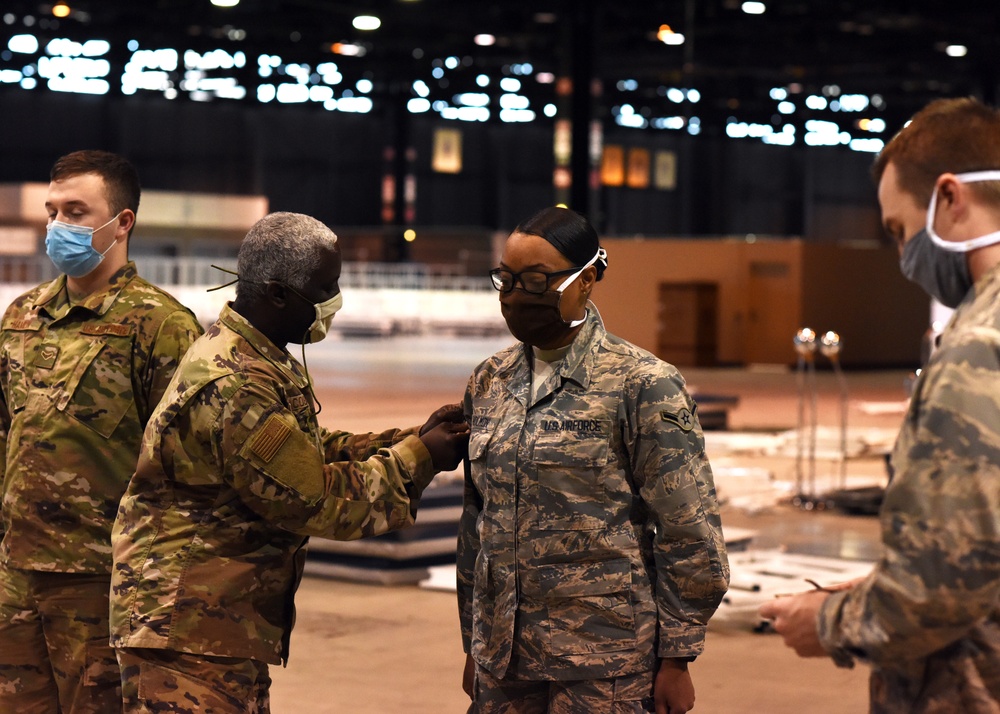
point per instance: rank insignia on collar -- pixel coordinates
(683, 418)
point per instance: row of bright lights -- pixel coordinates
(75, 68)
(369, 23)
(818, 133)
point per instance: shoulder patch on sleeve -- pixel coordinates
(266, 442)
(683, 418)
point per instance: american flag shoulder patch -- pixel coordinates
(269, 438)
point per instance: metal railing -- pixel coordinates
(174, 272)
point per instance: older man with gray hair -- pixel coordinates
(233, 477)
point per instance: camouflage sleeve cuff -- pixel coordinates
(412, 451)
(681, 641)
(409, 431)
(828, 630)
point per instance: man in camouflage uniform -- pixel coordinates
(84, 360)
(927, 618)
(234, 475)
(590, 553)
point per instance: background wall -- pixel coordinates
(764, 292)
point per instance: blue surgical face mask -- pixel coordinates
(71, 247)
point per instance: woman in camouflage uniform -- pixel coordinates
(590, 550)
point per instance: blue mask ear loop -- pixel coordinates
(305, 367)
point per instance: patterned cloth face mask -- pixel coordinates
(537, 319)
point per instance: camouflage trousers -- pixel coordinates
(631, 694)
(166, 681)
(54, 652)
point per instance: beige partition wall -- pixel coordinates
(733, 301)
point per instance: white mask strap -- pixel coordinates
(601, 253)
(973, 243)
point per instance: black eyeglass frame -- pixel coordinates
(517, 277)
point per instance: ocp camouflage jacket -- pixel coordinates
(78, 382)
(234, 474)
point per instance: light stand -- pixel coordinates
(829, 347)
(805, 346)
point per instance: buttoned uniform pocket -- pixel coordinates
(13, 365)
(15, 390)
(98, 391)
(484, 461)
(588, 605)
(570, 484)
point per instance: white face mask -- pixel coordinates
(972, 243)
(324, 316)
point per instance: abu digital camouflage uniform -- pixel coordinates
(590, 542)
(77, 384)
(233, 475)
(928, 616)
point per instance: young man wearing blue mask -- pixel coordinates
(927, 618)
(84, 359)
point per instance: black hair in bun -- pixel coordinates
(570, 233)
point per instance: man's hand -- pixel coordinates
(673, 690)
(794, 618)
(447, 413)
(448, 443)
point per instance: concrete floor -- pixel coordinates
(365, 649)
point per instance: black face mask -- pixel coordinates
(942, 274)
(536, 319)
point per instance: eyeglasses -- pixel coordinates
(532, 281)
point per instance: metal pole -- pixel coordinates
(805, 346)
(829, 346)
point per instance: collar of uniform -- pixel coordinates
(264, 347)
(988, 284)
(54, 299)
(577, 365)
(989, 280)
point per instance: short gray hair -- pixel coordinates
(284, 247)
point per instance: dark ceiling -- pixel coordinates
(891, 48)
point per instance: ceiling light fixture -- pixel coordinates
(484, 40)
(668, 37)
(347, 49)
(366, 23)
(956, 50)
(753, 8)
(225, 3)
